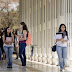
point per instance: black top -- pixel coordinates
(1, 39)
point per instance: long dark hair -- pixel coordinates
(23, 23)
(65, 29)
(6, 33)
(25, 27)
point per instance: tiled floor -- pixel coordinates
(31, 67)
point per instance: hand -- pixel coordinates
(16, 46)
(65, 41)
(19, 36)
(62, 40)
(19, 39)
(9, 43)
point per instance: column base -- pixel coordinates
(39, 59)
(36, 58)
(44, 60)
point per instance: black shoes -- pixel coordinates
(9, 66)
(16, 58)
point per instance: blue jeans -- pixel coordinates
(9, 51)
(0, 53)
(62, 55)
(22, 47)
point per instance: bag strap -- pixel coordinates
(55, 42)
(27, 36)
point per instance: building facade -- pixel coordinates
(43, 18)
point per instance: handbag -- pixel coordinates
(54, 48)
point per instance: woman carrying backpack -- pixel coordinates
(22, 44)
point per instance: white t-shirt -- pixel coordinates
(59, 43)
(16, 39)
(8, 39)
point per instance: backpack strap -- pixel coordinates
(27, 36)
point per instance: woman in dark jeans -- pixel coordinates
(1, 45)
(22, 44)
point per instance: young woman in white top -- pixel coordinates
(16, 45)
(61, 48)
(8, 40)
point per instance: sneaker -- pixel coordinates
(62, 70)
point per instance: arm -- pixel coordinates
(4, 40)
(66, 41)
(17, 42)
(24, 34)
(12, 39)
(59, 40)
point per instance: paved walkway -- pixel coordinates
(31, 67)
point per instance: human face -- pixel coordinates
(62, 28)
(8, 30)
(21, 26)
(15, 35)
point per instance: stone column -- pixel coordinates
(39, 30)
(70, 32)
(68, 28)
(47, 29)
(24, 7)
(35, 30)
(32, 23)
(49, 54)
(20, 14)
(29, 28)
(27, 21)
(53, 32)
(43, 30)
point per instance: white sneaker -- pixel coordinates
(63, 70)
(21, 66)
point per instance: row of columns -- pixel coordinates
(43, 18)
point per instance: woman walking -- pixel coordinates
(8, 40)
(61, 48)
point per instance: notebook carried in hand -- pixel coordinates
(8, 39)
